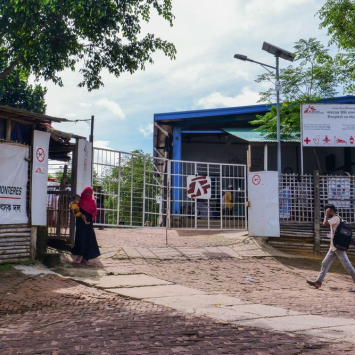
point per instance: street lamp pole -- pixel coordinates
(277, 52)
(277, 87)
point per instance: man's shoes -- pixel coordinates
(352, 290)
(315, 284)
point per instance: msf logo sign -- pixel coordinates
(198, 186)
(309, 109)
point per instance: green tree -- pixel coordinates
(338, 16)
(315, 77)
(15, 91)
(46, 36)
(133, 187)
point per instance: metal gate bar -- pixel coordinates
(140, 190)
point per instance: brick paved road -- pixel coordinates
(53, 315)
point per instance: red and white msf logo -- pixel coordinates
(309, 109)
(198, 187)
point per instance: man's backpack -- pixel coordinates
(342, 235)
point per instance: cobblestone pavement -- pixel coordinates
(273, 284)
(51, 314)
(54, 315)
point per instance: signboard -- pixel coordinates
(264, 210)
(199, 187)
(339, 192)
(328, 125)
(13, 184)
(84, 177)
(39, 178)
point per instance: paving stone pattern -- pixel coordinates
(50, 314)
(54, 315)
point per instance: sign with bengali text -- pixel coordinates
(13, 184)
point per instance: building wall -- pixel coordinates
(237, 154)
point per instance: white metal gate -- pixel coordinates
(132, 189)
(213, 213)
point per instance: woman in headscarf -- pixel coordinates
(85, 240)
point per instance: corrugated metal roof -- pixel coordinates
(216, 112)
(11, 112)
(240, 110)
(249, 135)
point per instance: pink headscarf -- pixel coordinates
(87, 202)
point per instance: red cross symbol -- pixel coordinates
(307, 140)
(40, 154)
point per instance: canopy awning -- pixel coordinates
(249, 135)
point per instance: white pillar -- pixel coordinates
(265, 157)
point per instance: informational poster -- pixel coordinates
(39, 178)
(13, 184)
(84, 177)
(264, 210)
(285, 203)
(339, 192)
(199, 187)
(329, 125)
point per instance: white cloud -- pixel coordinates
(102, 144)
(111, 106)
(204, 74)
(146, 131)
(84, 104)
(216, 99)
(70, 115)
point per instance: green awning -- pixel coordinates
(249, 135)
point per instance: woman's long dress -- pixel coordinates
(85, 238)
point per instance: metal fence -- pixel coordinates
(58, 201)
(212, 213)
(339, 191)
(139, 190)
(130, 189)
(296, 196)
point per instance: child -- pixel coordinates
(74, 206)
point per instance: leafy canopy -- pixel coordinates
(15, 91)
(47, 36)
(338, 16)
(315, 77)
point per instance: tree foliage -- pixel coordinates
(15, 91)
(315, 77)
(130, 189)
(45, 37)
(338, 16)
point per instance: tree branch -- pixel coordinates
(10, 68)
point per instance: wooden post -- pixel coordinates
(33, 243)
(249, 158)
(316, 197)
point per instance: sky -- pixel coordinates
(204, 75)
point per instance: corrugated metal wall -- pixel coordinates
(15, 243)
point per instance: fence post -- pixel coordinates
(316, 197)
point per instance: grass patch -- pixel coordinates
(28, 263)
(5, 266)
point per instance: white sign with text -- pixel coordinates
(13, 184)
(328, 125)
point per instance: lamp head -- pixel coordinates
(240, 57)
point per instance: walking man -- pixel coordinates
(332, 220)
